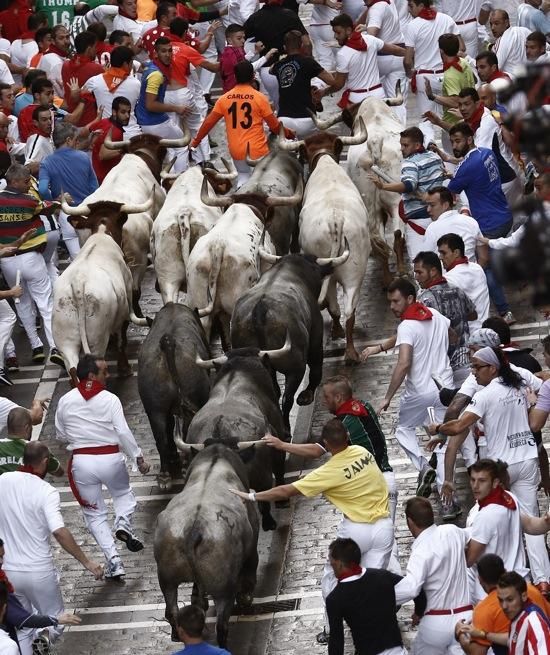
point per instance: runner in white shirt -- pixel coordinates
(464, 13)
(437, 556)
(53, 60)
(239, 11)
(383, 22)
(5, 74)
(29, 514)
(91, 419)
(509, 46)
(423, 341)
(127, 21)
(446, 220)
(422, 58)
(357, 63)
(502, 407)
(38, 146)
(36, 410)
(465, 275)
(22, 49)
(320, 32)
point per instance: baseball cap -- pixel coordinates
(484, 337)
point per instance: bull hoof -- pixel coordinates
(244, 600)
(174, 636)
(164, 481)
(337, 331)
(268, 523)
(305, 398)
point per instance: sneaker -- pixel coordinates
(509, 318)
(5, 378)
(41, 645)
(323, 637)
(427, 478)
(544, 588)
(38, 355)
(56, 358)
(133, 544)
(12, 365)
(451, 512)
(114, 568)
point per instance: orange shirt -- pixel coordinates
(146, 10)
(183, 55)
(244, 111)
(489, 616)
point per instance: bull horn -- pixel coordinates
(177, 143)
(168, 176)
(249, 160)
(286, 144)
(287, 201)
(232, 172)
(267, 256)
(113, 145)
(168, 167)
(139, 209)
(77, 210)
(335, 261)
(324, 124)
(243, 445)
(398, 99)
(210, 363)
(209, 201)
(359, 136)
(274, 355)
(186, 447)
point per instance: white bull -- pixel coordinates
(183, 219)
(93, 296)
(225, 262)
(383, 150)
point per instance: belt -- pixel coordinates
(458, 610)
(414, 226)
(423, 71)
(465, 22)
(319, 24)
(344, 100)
(372, 88)
(97, 450)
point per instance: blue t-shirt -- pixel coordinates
(202, 649)
(477, 175)
(68, 170)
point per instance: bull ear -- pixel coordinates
(79, 222)
(194, 451)
(121, 219)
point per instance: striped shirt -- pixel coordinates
(20, 212)
(529, 633)
(420, 172)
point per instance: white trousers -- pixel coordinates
(37, 591)
(359, 97)
(524, 482)
(415, 241)
(89, 473)
(193, 118)
(270, 85)
(391, 71)
(393, 493)
(244, 171)
(469, 34)
(70, 237)
(375, 541)
(206, 78)
(436, 634)
(37, 287)
(302, 126)
(7, 323)
(424, 105)
(50, 252)
(513, 190)
(169, 130)
(320, 36)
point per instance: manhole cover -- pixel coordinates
(269, 608)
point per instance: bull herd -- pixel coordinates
(239, 280)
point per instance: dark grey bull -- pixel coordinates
(278, 174)
(284, 301)
(208, 536)
(171, 385)
(244, 404)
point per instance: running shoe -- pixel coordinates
(427, 478)
(133, 544)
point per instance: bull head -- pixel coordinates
(360, 136)
(189, 448)
(270, 201)
(167, 143)
(84, 209)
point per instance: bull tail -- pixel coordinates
(380, 248)
(335, 249)
(168, 348)
(142, 322)
(216, 256)
(194, 540)
(81, 317)
(185, 230)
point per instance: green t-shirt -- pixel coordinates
(11, 456)
(453, 83)
(59, 12)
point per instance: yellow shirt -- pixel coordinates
(352, 481)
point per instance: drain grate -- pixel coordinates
(269, 608)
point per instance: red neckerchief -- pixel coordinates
(165, 70)
(460, 260)
(421, 150)
(53, 49)
(512, 344)
(122, 13)
(3, 146)
(4, 579)
(90, 388)
(354, 569)
(76, 62)
(417, 312)
(101, 47)
(475, 119)
(439, 280)
(357, 42)
(25, 468)
(498, 75)
(498, 496)
(29, 34)
(428, 13)
(353, 407)
(5, 112)
(454, 63)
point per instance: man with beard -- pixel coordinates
(103, 158)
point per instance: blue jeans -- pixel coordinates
(496, 292)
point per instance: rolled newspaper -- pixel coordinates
(381, 174)
(17, 281)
